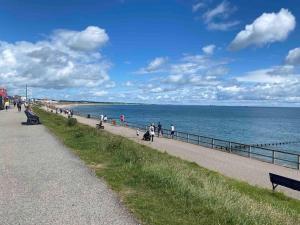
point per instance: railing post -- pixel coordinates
(212, 143)
(273, 156)
(249, 153)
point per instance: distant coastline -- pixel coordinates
(68, 104)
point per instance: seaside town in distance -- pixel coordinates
(128, 112)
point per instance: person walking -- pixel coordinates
(172, 131)
(122, 119)
(151, 131)
(159, 130)
(19, 106)
(6, 104)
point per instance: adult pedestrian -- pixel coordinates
(19, 106)
(105, 118)
(172, 131)
(6, 104)
(151, 131)
(122, 119)
(159, 129)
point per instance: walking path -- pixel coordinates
(249, 170)
(42, 182)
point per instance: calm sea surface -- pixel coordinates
(251, 125)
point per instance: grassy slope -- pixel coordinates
(161, 189)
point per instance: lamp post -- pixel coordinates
(26, 92)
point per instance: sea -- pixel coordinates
(247, 125)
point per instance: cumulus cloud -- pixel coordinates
(217, 18)
(293, 57)
(209, 49)
(89, 39)
(154, 66)
(65, 59)
(276, 74)
(268, 28)
(196, 79)
(187, 73)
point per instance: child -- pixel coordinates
(138, 132)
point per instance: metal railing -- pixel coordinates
(278, 157)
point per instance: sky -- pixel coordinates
(200, 52)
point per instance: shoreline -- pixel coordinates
(221, 144)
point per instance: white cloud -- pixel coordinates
(100, 93)
(154, 66)
(222, 10)
(293, 57)
(209, 49)
(217, 18)
(268, 28)
(89, 39)
(128, 84)
(198, 6)
(66, 59)
(222, 26)
(110, 84)
(277, 74)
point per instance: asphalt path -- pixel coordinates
(43, 182)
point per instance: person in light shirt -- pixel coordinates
(172, 130)
(152, 131)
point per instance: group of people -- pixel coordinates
(103, 119)
(16, 102)
(150, 133)
(68, 112)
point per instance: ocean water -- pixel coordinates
(249, 125)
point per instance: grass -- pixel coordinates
(164, 190)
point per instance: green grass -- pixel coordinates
(164, 190)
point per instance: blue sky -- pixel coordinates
(230, 52)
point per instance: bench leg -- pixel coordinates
(274, 186)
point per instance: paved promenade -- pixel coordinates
(42, 182)
(249, 170)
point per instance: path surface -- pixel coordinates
(42, 182)
(249, 170)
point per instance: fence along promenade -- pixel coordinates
(255, 151)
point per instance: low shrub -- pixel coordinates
(71, 122)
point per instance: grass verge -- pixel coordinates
(164, 190)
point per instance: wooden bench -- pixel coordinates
(284, 181)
